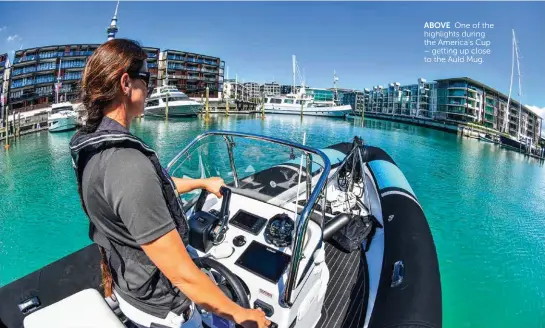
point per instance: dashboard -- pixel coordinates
(258, 245)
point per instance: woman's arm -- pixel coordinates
(171, 257)
(213, 184)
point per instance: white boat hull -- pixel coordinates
(329, 111)
(62, 124)
(174, 110)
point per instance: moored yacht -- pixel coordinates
(62, 117)
(178, 103)
(300, 103)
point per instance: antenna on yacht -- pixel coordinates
(335, 79)
(299, 182)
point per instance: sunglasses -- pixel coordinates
(144, 76)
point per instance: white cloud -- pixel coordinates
(14, 37)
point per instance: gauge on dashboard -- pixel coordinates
(279, 230)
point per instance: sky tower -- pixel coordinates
(112, 29)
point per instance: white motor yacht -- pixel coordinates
(62, 117)
(295, 104)
(179, 104)
(300, 103)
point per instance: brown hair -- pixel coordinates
(100, 85)
(102, 74)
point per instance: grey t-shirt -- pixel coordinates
(123, 196)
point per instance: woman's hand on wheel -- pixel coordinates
(252, 318)
(213, 185)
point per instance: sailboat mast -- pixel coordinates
(515, 45)
(293, 64)
(506, 118)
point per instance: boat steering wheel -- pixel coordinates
(226, 280)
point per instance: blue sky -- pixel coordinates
(367, 43)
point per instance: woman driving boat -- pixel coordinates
(133, 205)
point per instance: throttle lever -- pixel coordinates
(218, 233)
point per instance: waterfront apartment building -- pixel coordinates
(36, 71)
(153, 65)
(354, 98)
(253, 89)
(4, 80)
(191, 73)
(455, 100)
(271, 89)
(408, 100)
(234, 90)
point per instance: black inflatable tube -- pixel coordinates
(60, 279)
(407, 237)
(369, 153)
(417, 301)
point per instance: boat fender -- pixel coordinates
(334, 225)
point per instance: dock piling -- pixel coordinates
(206, 103)
(166, 105)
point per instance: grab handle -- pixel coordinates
(397, 274)
(29, 305)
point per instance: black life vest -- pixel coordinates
(82, 147)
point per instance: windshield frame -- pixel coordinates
(304, 216)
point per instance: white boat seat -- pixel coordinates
(84, 309)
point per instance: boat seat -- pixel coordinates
(86, 308)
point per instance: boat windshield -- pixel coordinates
(257, 168)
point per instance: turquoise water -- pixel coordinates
(485, 206)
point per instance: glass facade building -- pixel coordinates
(320, 94)
(3, 79)
(34, 73)
(455, 100)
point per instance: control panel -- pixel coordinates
(259, 237)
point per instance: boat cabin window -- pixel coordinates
(276, 101)
(60, 109)
(288, 101)
(154, 90)
(175, 98)
(153, 102)
(299, 102)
